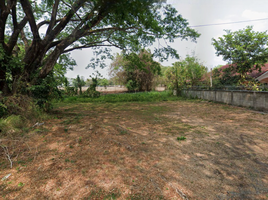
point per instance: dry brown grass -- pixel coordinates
(130, 151)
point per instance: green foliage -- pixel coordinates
(20, 184)
(245, 49)
(12, 125)
(186, 72)
(78, 83)
(91, 91)
(64, 63)
(70, 91)
(136, 71)
(127, 97)
(103, 82)
(3, 109)
(44, 91)
(225, 77)
(194, 70)
(181, 138)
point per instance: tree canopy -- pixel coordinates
(188, 71)
(135, 71)
(245, 49)
(34, 34)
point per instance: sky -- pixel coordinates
(197, 12)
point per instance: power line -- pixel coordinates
(228, 23)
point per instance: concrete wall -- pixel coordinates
(255, 100)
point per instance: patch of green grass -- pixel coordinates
(21, 184)
(127, 97)
(13, 124)
(181, 138)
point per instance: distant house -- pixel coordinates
(261, 76)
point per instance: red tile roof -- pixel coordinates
(254, 74)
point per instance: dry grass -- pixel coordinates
(131, 151)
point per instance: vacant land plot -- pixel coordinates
(165, 150)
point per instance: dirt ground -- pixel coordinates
(166, 150)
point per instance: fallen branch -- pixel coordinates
(7, 154)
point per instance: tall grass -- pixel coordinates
(126, 97)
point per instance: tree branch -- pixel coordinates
(93, 44)
(14, 37)
(27, 8)
(71, 7)
(24, 39)
(53, 16)
(64, 21)
(53, 44)
(3, 18)
(14, 16)
(109, 29)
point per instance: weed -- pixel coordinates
(123, 132)
(20, 184)
(181, 138)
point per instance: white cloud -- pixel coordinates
(251, 15)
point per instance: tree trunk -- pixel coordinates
(2, 78)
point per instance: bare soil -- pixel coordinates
(131, 151)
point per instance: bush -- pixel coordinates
(3, 109)
(43, 92)
(12, 125)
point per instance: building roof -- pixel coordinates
(255, 73)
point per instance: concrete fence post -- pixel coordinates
(232, 97)
(254, 100)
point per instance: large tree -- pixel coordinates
(33, 34)
(189, 71)
(135, 70)
(246, 50)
